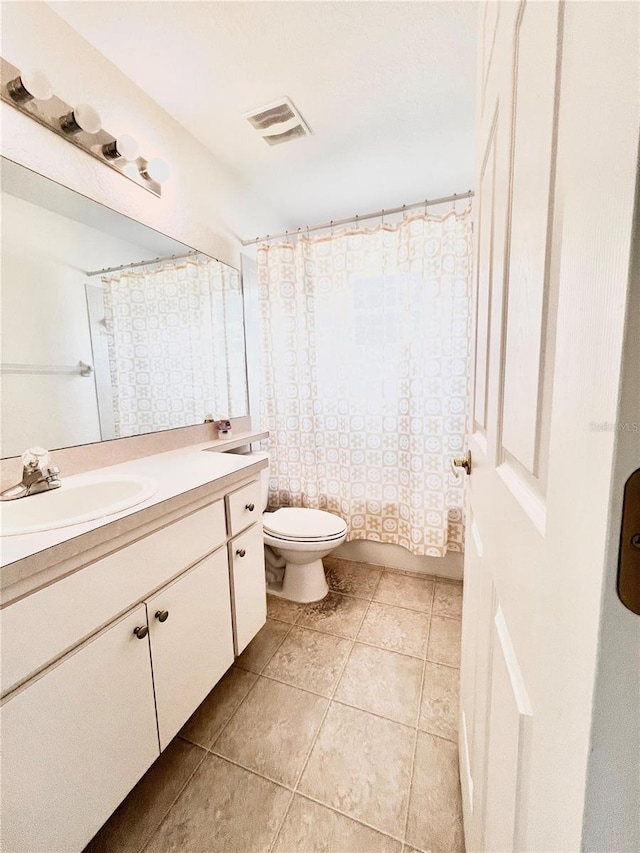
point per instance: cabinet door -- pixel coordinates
(76, 740)
(248, 585)
(191, 640)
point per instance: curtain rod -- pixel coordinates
(378, 213)
(145, 263)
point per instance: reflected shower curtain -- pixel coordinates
(365, 342)
(173, 335)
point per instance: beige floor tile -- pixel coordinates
(405, 591)
(351, 578)
(273, 730)
(435, 809)
(140, 814)
(224, 809)
(444, 641)
(382, 682)
(309, 660)
(207, 722)
(395, 628)
(261, 649)
(440, 701)
(335, 614)
(282, 609)
(312, 828)
(361, 765)
(447, 600)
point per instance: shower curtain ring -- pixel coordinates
(426, 203)
(453, 206)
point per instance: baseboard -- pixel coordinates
(397, 557)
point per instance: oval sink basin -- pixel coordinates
(81, 498)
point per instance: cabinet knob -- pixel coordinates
(241, 552)
(141, 631)
(250, 507)
(162, 615)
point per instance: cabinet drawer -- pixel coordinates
(76, 741)
(248, 585)
(244, 507)
(41, 627)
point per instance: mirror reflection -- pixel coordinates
(109, 328)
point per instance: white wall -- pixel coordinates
(44, 322)
(200, 199)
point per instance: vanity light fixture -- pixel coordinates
(30, 85)
(31, 94)
(156, 170)
(82, 117)
(124, 146)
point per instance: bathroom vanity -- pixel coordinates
(114, 631)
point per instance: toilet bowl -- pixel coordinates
(302, 537)
(299, 538)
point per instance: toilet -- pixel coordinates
(297, 539)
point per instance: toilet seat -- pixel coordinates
(299, 524)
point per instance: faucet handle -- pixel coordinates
(35, 458)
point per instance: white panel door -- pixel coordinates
(75, 742)
(557, 150)
(248, 585)
(191, 641)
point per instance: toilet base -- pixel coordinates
(303, 583)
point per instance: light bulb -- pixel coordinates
(157, 170)
(30, 85)
(82, 117)
(124, 146)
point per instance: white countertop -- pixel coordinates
(176, 472)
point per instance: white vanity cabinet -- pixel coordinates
(76, 740)
(106, 664)
(191, 641)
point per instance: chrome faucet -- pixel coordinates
(38, 475)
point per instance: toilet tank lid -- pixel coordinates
(302, 523)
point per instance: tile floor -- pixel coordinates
(335, 731)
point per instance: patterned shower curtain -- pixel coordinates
(365, 342)
(174, 333)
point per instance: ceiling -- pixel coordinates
(386, 87)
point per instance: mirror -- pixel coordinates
(89, 355)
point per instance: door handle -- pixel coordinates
(162, 615)
(241, 552)
(141, 631)
(461, 462)
(629, 554)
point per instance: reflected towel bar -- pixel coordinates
(81, 369)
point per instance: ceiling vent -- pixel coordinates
(278, 122)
